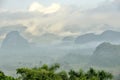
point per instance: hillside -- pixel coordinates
(14, 40)
(106, 54)
(109, 35)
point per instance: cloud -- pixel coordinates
(66, 20)
(108, 6)
(2, 37)
(43, 9)
(3, 10)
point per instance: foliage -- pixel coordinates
(4, 77)
(46, 72)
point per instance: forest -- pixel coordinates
(52, 72)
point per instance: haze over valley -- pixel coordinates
(79, 33)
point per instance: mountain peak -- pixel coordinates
(109, 32)
(106, 36)
(104, 45)
(14, 40)
(106, 53)
(13, 33)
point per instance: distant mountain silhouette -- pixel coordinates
(9, 28)
(14, 40)
(106, 54)
(108, 35)
(47, 38)
(68, 39)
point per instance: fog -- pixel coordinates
(75, 34)
(17, 52)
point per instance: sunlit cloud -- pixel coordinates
(66, 20)
(44, 9)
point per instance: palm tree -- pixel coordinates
(91, 73)
(63, 75)
(104, 75)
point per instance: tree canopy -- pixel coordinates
(46, 72)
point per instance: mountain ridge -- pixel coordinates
(14, 40)
(106, 36)
(105, 54)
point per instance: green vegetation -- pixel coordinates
(4, 77)
(46, 72)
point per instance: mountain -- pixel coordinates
(73, 59)
(86, 38)
(46, 38)
(106, 54)
(14, 40)
(108, 35)
(9, 28)
(68, 39)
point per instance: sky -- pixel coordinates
(24, 4)
(34, 18)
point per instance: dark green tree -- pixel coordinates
(46, 72)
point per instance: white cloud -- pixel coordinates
(34, 30)
(66, 20)
(3, 10)
(43, 9)
(108, 6)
